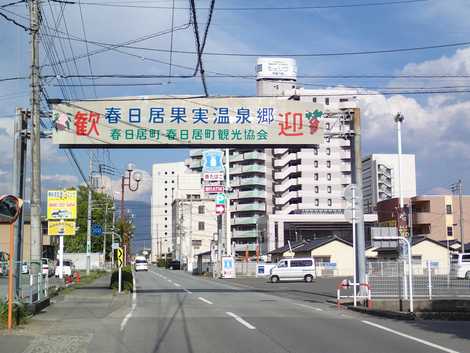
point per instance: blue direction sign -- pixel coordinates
(220, 199)
(212, 161)
(96, 229)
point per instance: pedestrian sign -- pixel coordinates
(220, 199)
(119, 257)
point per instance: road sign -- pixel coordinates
(96, 229)
(60, 228)
(213, 189)
(220, 199)
(213, 177)
(212, 161)
(119, 257)
(219, 209)
(149, 122)
(61, 204)
(228, 267)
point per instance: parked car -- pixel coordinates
(47, 267)
(68, 268)
(294, 269)
(141, 264)
(460, 264)
(174, 265)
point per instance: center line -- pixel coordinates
(205, 300)
(240, 320)
(427, 343)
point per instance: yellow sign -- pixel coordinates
(61, 228)
(61, 204)
(119, 257)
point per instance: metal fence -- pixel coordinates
(390, 279)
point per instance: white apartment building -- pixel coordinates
(194, 224)
(285, 194)
(380, 175)
(170, 181)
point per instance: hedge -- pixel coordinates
(127, 279)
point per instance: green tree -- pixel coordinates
(125, 230)
(100, 202)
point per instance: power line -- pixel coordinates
(198, 48)
(86, 45)
(27, 29)
(265, 8)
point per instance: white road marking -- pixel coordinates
(177, 285)
(187, 291)
(205, 300)
(134, 304)
(174, 283)
(308, 306)
(240, 320)
(427, 343)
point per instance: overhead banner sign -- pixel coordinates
(61, 228)
(149, 122)
(61, 204)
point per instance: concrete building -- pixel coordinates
(170, 181)
(380, 177)
(194, 226)
(270, 184)
(434, 216)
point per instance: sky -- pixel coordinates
(436, 126)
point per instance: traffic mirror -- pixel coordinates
(10, 208)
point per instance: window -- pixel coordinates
(166, 196)
(166, 218)
(327, 126)
(166, 181)
(166, 203)
(166, 233)
(327, 139)
(300, 263)
(166, 173)
(465, 258)
(328, 151)
(282, 263)
(314, 99)
(200, 209)
(317, 202)
(166, 225)
(166, 189)
(449, 231)
(201, 226)
(315, 176)
(343, 100)
(330, 202)
(327, 101)
(328, 176)
(416, 259)
(322, 259)
(449, 209)
(172, 181)
(315, 151)
(315, 164)
(328, 189)
(166, 211)
(328, 164)
(316, 189)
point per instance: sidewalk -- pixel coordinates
(71, 322)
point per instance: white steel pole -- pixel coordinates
(410, 274)
(61, 256)
(399, 119)
(228, 230)
(354, 243)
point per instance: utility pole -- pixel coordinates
(399, 119)
(458, 187)
(88, 230)
(228, 229)
(36, 231)
(20, 147)
(104, 233)
(357, 179)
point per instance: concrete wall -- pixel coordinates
(79, 260)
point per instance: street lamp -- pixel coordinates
(126, 181)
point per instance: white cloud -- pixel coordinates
(143, 193)
(67, 180)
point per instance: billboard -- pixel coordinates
(61, 228)
(61, 204)
(149, 122)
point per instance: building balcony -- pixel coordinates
(345, 167)
(254, 168)
(245, 247)
(285, 173)
(279, 151)
(256, 206)
(248, 194)
(236, 157)
(245, 220)
(286, 197)
(195, 163)
(244, 234)
(345, 154)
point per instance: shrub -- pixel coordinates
(20, 314)
(127, 276)
(162, 263)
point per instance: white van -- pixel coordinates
(460, 265)
(141, 264)
(294, 269)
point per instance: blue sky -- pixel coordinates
(436, 127)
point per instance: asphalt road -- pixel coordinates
(176, 312)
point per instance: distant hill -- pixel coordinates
(142, 236)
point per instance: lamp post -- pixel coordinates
(126, 181)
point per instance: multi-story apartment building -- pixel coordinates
(291, 190)
(434, 216)
(194, 224)
(380, 178)
(170, 181)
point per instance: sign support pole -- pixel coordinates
(354, 244)
(228, 230)
(10, 278)
(119, 280)
(61, 256)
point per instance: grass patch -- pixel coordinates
(88, 279)
(127, 279)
